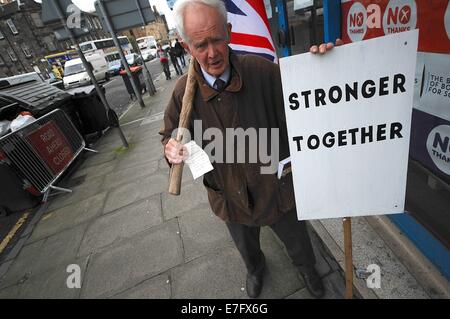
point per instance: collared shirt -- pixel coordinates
(211, 79)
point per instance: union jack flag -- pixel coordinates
(251, 31)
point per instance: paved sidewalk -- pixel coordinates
(131, 239)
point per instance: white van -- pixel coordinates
(75, 74)
(146, 42)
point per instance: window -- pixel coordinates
(86, 47)
(49, 43)
(26, 51)
(11, 25)
(112, 57)
(104, 44)
(12, 55)
(96, 23)
(89, 23)
(74, 69)
(123, 41)
(2, 62)
(36, 17)
(1, 36)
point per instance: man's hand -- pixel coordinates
(324, 47)
(175, 152)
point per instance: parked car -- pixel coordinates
(133, 60)
(114, 67)
(113, 60)
(148, 54)
(76, 75)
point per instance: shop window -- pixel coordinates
(305, 24)
(11, 26)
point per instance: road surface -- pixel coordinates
(116, 92)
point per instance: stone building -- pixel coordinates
(25, 40)
(159, 28)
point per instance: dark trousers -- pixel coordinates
(166, 69)
(183, 61)
(177, 66)
(293, 234)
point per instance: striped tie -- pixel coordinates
(219, 85)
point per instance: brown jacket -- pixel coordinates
(252, 99)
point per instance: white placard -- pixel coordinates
(348, 116)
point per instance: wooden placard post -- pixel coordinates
(347, 222)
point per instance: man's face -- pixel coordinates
(208, 38)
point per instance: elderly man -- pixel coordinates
(239, 91)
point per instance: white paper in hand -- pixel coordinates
(198, 161)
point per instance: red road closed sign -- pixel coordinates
(52, 146)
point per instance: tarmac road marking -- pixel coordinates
(134, 121)
(130, 106)
(47, 216)
(13, 231)
(111, 81)
(148, 119)
(153, 118)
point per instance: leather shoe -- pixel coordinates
(254, 282)
(313, 283)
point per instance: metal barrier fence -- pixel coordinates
(42, 151)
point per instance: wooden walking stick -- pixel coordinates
(176, 171)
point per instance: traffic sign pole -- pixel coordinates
(151, 86)
(87, 66)
(108, 22)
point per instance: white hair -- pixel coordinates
(181, 5)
